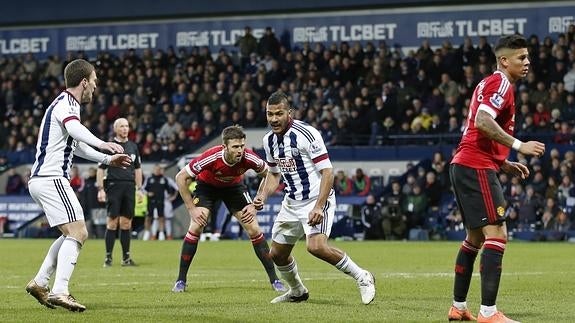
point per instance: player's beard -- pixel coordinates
(86, 96)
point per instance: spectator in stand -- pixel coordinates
(564, 135)
(415, 207)
(394, 221)
(14, 183)
(561, 225)
(342, 184)
(371, 218)
(76, 180)
(247, 44)
(530, 208)
(269, 44)
(432, 190)
(361, 183)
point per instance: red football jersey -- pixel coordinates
(211, 168)
(494, 94)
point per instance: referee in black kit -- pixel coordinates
(120, 189)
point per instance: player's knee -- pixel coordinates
(316, 249)
(277, 257)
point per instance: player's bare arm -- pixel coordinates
(266, 188)
(515, 169)
(315, 217)
(487, 125)
(183, 180)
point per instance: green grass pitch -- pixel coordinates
(227, 284)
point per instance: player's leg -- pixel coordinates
(316, 240)
(284, 236)
(61, 206)
(161, 221)
(261, 249)
(168, 216)
(235, 199)
(76, 234)
(113, 204)
(204, 199)
(462, 179)
(110, 238)
(148, 222)
(495, 233)
(127, 214)
(74, 228)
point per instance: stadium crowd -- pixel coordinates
(177, 99)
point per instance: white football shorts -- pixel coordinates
(57, 198)
(291, 222)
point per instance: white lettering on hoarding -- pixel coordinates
(112, 42)
(344, 33)
(463, 28)
(24, 45)
(218, 37)
(560, 24)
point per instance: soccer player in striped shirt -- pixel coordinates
(62, 136)
(482, 152)
(219, 172)
(295, 151)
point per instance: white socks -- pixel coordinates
(348, 267)
(488, 311)
(460, 305)
(49, 265)
(290, 275)
(67, 257)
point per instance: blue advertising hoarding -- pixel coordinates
(406, 27)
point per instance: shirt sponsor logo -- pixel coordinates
(286, 164)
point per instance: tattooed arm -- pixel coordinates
(487, 125)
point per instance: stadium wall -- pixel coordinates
(402, 27)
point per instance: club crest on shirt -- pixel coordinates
(500, 211)
(295, 152)
(196, 201)
(497, 100)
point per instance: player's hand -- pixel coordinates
(200, 216)
(515, 169)
(248, 214)
(258, 202)
(101, 196)
(120, 160)
(111, 147)
(315, 217)
(532, 148)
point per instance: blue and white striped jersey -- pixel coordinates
(299, 154)
(55, 147)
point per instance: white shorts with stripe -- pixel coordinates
(291, 222)
(57, 198)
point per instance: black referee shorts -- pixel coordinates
(479, 196)
(121, 198)
(234, 197)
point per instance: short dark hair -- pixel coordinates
(76, 71)
(278, 97)
(233, 132)
(512, 42)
